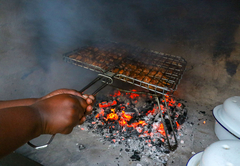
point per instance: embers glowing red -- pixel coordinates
(122, 122)
(126, 103)
(170, 101)
(107, 104)
(112, 116)
(179, 104)
(133, 95)
(126, 117)
(178, 125)
(161, 129)
(100, 113)
(151, 112)
(118, 93)
(135, 124)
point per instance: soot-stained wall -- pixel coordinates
(35, 34)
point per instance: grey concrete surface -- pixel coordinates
(34, 35)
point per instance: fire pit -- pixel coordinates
(132, 120)
(145, 122)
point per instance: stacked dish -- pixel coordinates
(227, 116)
(221, 153)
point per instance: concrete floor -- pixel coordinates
(34, 35)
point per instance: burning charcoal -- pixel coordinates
(181, 119)
(135, 156)
(134, 125)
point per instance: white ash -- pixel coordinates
(142, 141)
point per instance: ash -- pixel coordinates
(134, 121)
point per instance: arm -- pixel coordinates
(30, 101)
(17, 126)
(14, 103)
(57, 113)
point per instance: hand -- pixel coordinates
(90, 99)
(62, 110)
(66, 91)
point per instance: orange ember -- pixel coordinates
(133, 95)
(135, 124)
(162, 107)
(122, 122)
(179, 104)
(118, 114)
(101, 113)
(105, 104)
(118, 93)
(112, 116)
(178, 125)
(126, 117)
(150, 112)
(170, 101)
(161, 129)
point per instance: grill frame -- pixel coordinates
(173, 66)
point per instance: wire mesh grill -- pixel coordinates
(152, 70)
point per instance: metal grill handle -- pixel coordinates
(105, 83)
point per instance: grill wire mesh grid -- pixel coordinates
(151, 70)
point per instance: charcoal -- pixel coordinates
(135, 156)
(142, 138)
(181, 119)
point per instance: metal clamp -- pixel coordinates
(171, 147)
(42, 146)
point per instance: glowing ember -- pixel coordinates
(131, 116)
(100, 114)
(141, 122)
(161, 129)
(151, 111)
(133, 95)
(112, 116)
(122, 122)
(118, 93)
(105, 104)
(179, 105)
(178, 125)
(126, 117)
(123, 118)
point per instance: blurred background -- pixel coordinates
(35, 34)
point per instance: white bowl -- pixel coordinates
(228, 117)
(222, 133)
(195, 159)
(221, 153)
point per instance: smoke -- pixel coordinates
(42, 30)
(60, 26)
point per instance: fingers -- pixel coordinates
(89, 110)
(82, 120)
(70, 91)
